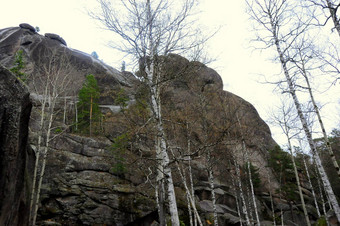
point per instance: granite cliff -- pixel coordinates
(81, 186)
(16, 158)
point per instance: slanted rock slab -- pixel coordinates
(15, 109)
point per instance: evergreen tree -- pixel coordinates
(282, 166)
(88, 107)
(19, 65)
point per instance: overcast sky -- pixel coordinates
(239, 66)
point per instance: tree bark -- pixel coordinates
(303, 120)
(91, 104)
(333, 10)
(298, 183)
(48, 134)
(244, 205)
(311, 185)
(316, 109)
(37, 157)
(213, 196)
(249, 174)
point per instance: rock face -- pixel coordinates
(15, 108)
(33, 44)
(82, 185)
(56, 37)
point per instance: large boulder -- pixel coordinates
(56, 37)
(15, 108)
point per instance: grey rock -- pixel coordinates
(56, 37)
(27, 26)
(282, 206)
(229, 219)
(15, 108)
(267, 223)
(207, 206)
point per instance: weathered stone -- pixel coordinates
(282, 206)
(81, 184)
(207, 206)
(27, 26)
(56, 37)
(15, 108)
(229, 219)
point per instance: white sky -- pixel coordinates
(238, 65)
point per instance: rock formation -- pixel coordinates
(56, 37)
(81, 186)
(15, 160)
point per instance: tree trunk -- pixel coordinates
(190, 197)
(213, 197)
(316, 109)
(164, 157)
(160, 202)
(152, 82)
(160, 188)
(245, 150)
(50, 120)
(311, 185)
(37, 155)
(333, 10)
(244, 205)
(271, 201)
(65, 107)
(76, 112)
(238, 208)
(306, 129)
(91, 105)
(298, 182)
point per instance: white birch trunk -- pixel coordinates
(164, 157)
(76, 111)
(213, 197)
(306, 129)
(154, 87)
(238, 208)
(298, 182)
(249, 174)
(65, 107)
(49, 127)
(191, 192)
(190, 197)
(160, 188)
(196, 216)
(37, 154)
(316, 109)
(312, 188)
(244, 205)
(271, 201)
(321, 196)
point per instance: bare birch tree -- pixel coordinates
(302, 58)
(285, 119)
(280, 27)
(145, 30)
(49, 85)
(248, 164)
(330, 9)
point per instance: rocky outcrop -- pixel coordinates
(82, 185)
(33, 45)
(56, 37)
(15, 160)
(27, 26)
(82, 188)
